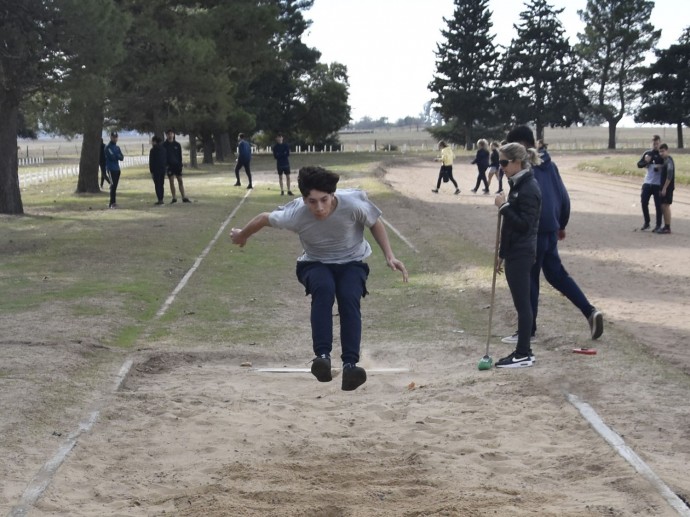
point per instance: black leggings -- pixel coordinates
(115, 176)
(518, 278)
(481, 176)
(247, 169)
(447, 171)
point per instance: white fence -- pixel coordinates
(32, 160)
(48, 174)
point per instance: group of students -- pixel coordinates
(330, 224)
(165, 158)
(659, 184)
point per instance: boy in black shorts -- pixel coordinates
(281, 152)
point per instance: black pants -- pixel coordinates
(481, 177)
(653, 191)
(518, 278)
(247, 169)
(159, 184)
(447, 171)
(115, 176)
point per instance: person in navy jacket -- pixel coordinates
(244, 157)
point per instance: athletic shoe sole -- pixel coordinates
(321, 369)
(596, 324)
(353, 378)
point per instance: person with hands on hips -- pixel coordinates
(330, 224)
(518, 243)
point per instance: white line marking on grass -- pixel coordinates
(44, 476)
(164, 308)
(400, 235)
(628, 454)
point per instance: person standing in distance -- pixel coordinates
(113, 157)
(244, 158)
(555, 213)
(330, 224)
(445, 173)
(174, 165)
(281, 152)
(668, 184)
(652, 161)
(518, 245)
(158, 165)
(101, 164)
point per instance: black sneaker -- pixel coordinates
(515, 361)
(290, 193)
(186, 200)
(238, 184)
(321, 368)
(159, 202)
(645, 227)
(353, 376)
(434, 190)
(282, 192)
(656, 229)
(174, 200)
(249, 186)
(596, 323)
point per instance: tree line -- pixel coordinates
(482, 89)
(207, 68)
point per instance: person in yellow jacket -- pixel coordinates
(446, 172)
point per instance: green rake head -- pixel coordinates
(485, 363)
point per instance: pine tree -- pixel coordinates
(666, 90)
(543, 70)
(465, 69)
(617, 36)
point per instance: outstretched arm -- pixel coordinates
(379, 233)
(240, 236)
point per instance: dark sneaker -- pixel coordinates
(321, 368)
(290, 193)
(282, 192)
(434, 190)
(353, 376)
(665, 229)
(511, 340)
(473, 190)
(174, 200)
(249, 186)
(656, 229)
(186, 200)
(645, 227)
(515, 361)
(485, 191)
(159, 202)
(238, 184)
(457, 191)
(596, 323)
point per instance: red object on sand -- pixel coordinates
(585, 351)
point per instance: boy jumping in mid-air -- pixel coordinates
(330, 225)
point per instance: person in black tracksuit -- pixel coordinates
(174, 153)
(482, 160)
(518, 245)
(101, 163)
(158, 166)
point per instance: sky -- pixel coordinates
(388, 45)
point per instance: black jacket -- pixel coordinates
(158, 160)
(521, 218)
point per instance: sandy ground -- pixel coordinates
(195, 433)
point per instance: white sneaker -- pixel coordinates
(511, 340)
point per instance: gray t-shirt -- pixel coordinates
(337, 239)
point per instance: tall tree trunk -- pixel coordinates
(679, 130)
(207, 142)
(89, 159)
(224, 143)
(612, 132)
(10, 195)
(193, 163)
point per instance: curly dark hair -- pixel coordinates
(317, 178)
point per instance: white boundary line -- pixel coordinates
(166, 305)
(400, 235)
(44, 476)
(628, 454)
